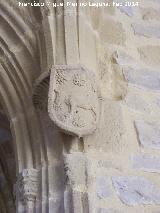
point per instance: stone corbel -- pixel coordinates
(27, 185)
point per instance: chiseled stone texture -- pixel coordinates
(146, 162)
(148, 134)
(103, 188)
(142, 77)
(147, 31)
(136, 190)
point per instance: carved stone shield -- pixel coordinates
(73, 101)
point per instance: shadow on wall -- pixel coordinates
(7, 166)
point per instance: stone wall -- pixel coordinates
(115, 169)
(123, 156)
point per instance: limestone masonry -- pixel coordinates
(80, 106)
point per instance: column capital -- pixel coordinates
(27, 185)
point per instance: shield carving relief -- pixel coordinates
(73, 102)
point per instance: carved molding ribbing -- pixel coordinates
(40, 93)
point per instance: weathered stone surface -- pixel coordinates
(146, 162)
(74, 163)
(127, 10)
(96, 17)
(82, 202)
(150, 14)
(102, 210)
(147, 31)
(142, 77)
(136, 190)
(31, 42)
(122, 58)
(112, 32)
(137, 102)
(158, 101)
(27, 185)
(150, 55)
(148, 134)
(103, 187)
(156, 1)
(111, 119)
(73, 112)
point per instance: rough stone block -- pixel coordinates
(148, 134)
(112, 32)
(103, 188)
(137, 102)
(150, 14)
(122, 58)
(146, 162)
(147, 31)
(142, 77)
(136, 190)
(150, 55)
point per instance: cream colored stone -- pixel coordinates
(112, 31)
(74, 174)
(150, 55)
(73, 112)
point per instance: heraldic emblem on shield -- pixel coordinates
(73, 103)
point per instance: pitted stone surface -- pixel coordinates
(74, 172)
(146, 162)
(148, 134)
(73, 99)
(136, 190)
(103, 187)
(147, 31)
(149, 79)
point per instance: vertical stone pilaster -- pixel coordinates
(76, 196)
